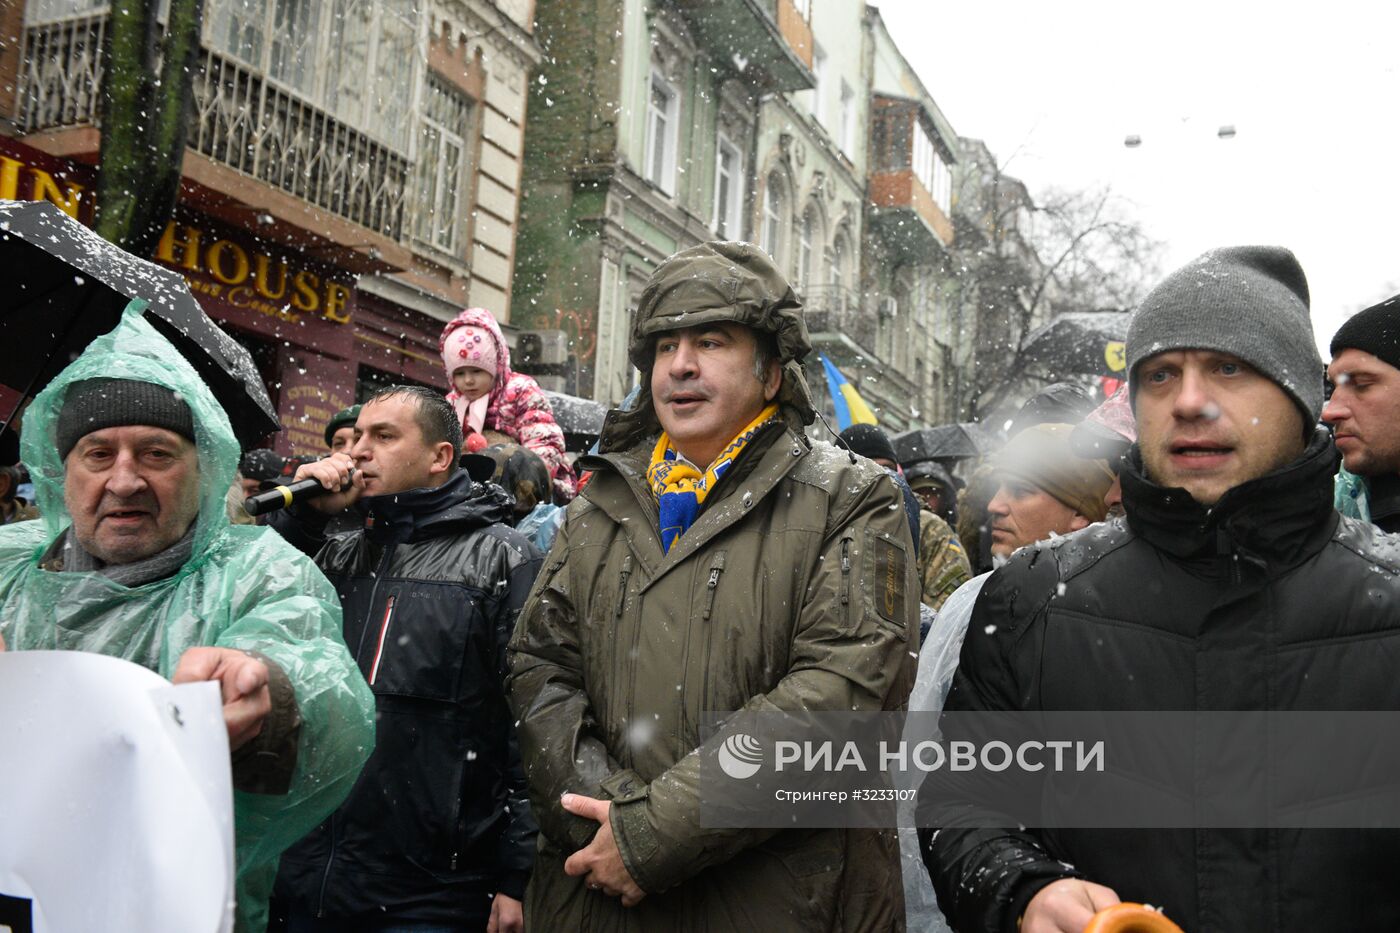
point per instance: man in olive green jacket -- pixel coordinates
(778, 577)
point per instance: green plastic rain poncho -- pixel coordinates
(244, 587)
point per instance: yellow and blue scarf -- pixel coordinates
(680, 488)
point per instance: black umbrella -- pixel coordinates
(66, 286)
(1080, 343)
(946, 442)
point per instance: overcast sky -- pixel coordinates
(1311, 88)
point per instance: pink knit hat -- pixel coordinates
(468, 345)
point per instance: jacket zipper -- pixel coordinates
(379, 648)
(636, 645)
(711, 586)
(716, 568)
(457, 813)
(335, 835)
(845, 571)
(622, 586)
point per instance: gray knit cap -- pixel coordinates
(95, 404)
(1248, 301)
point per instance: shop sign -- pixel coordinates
(233, 271)
(246, 277)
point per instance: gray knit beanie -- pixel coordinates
(1248, 301)
(95, 404)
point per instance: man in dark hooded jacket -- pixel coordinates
(1364, 411)
(437, 833)
(1231, 585)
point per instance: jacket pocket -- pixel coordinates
(421, 639)
(883, 584)
(402, 816)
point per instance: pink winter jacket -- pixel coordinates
(518, 407)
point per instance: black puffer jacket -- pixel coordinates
(1269, 601)
(440, 820)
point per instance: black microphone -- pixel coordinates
(279, 497)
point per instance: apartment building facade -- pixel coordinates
(793, 124)
(351, 178)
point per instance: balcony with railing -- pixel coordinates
(835, 318)
(240, 119)
(909, 177)
(857, 338)
(754, 34)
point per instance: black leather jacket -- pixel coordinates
(1268, 601)
(440, 819)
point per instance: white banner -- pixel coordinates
(116, 799)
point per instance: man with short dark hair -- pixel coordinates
(438, 833)
(1364, 409)
(1232, 584)
(134, 557)
(716, 561)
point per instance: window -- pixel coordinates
(809, 237)
(441, 165)
(847, 138)
(729, 188)
(662, 130)
(773, 217)
(357, 62)
(931, 170)
(838, 272)
(819, 70)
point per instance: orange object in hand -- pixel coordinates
(1130, 918)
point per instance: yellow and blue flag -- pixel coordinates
(850, 407)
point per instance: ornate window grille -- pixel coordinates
(255, 104)
(442, 157)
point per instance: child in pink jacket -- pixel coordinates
(489, 396)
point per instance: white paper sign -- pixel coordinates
(116, 799)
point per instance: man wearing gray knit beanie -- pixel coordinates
(1223, 348)
(1230, 584)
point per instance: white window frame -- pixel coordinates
(438, 212)
(728, 203)
(820, 70)
(839, 252)
(933, 173)
(942, 184)
(847, 139)
(660, 165)
(773, 203)
(374, 92)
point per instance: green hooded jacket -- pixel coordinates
(243, 587)
(795, 589)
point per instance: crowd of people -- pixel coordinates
(465, 687)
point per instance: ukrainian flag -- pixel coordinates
(850, 407)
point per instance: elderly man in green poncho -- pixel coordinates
(135, 558)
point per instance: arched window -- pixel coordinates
(773, 201)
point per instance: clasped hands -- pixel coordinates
(600, 862)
